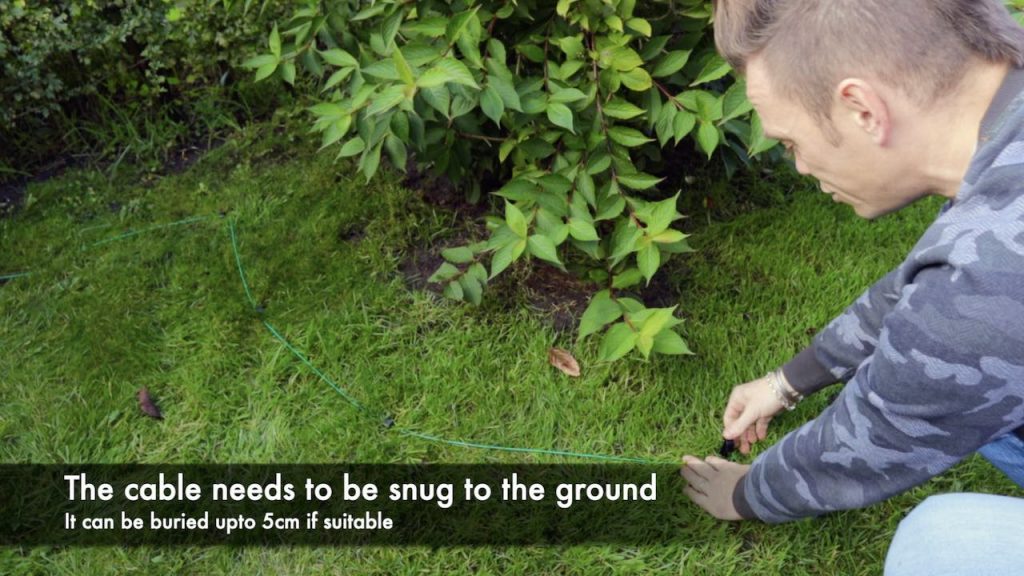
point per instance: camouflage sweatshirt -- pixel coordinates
(932, 354)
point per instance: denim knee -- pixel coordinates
(954, 534)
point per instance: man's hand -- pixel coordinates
(711, 483)
(751, 407)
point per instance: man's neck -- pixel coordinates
(951, 129)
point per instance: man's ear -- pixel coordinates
(860, 102)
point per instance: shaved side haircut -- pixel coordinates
(921, 47)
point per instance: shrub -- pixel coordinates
(70, 58)
(569, 102)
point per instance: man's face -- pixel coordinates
(871, 177)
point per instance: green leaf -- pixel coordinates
(618, 342)
(639, 181)
(507, 91)
(329, 111)
(671, 63)
(683, 124)
(622, 58)
(669, 237)
(472, 290)
(383, 69)
(639, 25)
(515, 219)
(734, 102)
(707, 106)
(758, 142)
(275, 42)
(260, 61)
(439, 98)
(560, 115)
(648, 259)
(371, 161)
(611, 207)
(335, 131)
(663, 127)
(492, 104)
(585, 186)
(644, 343)
(582, 230)
(503, 257)
(713, 70)
(444, 273)
(386, 100)
(627, 279)
(369, 12)
(637, 80)
(654, 320)
(507, 146)
(542, 247)
(337, 78)
(669, 342)
(661, 214)
(614, 22)
(429, 27)
(568, 95)
(265, 71)
(404, 71)
(339, 57)
(571, 45)
(447, 70)
(288, 72)
(396, 151)
(621, 109)
(352, 147)
(601, 312)
(629, 137)
(707, 137)
(454, 290)
(552, 226)
(459, 255)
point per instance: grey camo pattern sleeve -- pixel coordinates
(933, 355)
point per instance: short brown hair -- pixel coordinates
(922, 47)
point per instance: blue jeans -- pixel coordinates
(965, 534)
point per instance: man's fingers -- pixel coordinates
(762, 428)
(698, 497)
(693, 477)
(717, 462)
(738, 426)
(744, 446)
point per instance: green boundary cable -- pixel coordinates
(127, 234)
(131, 233)
(14, 275)
(363, 410)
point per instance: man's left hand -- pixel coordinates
(711, 483)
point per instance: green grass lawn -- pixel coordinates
(165, 309)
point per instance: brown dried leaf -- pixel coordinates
(564, 361)
(147, 406)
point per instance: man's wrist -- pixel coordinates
(739, 501)
(806, 374)
(783, 391)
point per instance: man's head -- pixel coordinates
(840, 81)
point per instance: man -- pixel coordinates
(886, 102)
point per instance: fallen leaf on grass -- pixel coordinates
(147, 406)
(564, 361)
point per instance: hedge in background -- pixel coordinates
(570, 102)
(62, 59)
